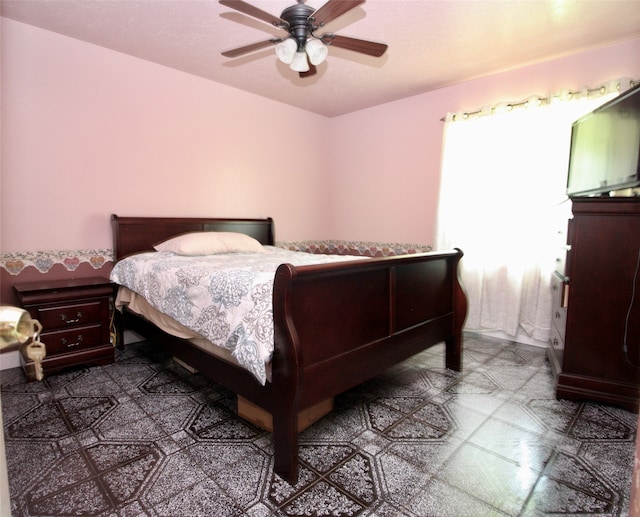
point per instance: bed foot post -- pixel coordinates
(285, 445)
(453, 354)
(286, 378)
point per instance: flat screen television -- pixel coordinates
(605, 148)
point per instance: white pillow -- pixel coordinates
(210, 243)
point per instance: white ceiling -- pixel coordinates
(432, 43)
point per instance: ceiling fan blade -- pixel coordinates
(370, 48)
(312, 71)
(332, 9)
(246, 8)
(240, 51)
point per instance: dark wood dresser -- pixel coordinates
(595, 341)
(75, 317)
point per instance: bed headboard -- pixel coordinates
(137, 234)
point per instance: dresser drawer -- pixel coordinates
(559, 293)
(64, 316)
(556, 339)
(72, 340)
(562, 260)
(560, 322)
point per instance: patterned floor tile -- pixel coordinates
(526, 449)
(322, 499)
(494, 480)
(442, 500)
(145, 437)
(202, 499)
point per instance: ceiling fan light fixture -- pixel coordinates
(301, 49)
(286, 50)
(300, 63)
(317, 51)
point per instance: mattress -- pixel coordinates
(137, 304)
(226, 299)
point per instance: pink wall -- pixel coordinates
(88, 131)
(385, 160)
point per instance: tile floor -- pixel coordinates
(145, 437)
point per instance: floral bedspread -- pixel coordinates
(224, 298)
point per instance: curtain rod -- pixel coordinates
(619, 85)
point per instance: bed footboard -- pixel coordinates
(337, 325)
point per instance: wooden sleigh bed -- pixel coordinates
(335, 325)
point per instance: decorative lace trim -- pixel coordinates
(43, 261)
(369, 249)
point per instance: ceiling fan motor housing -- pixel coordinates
(300, 25)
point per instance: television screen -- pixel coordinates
(605, 148)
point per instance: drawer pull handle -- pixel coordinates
(72, 345)
(64, 318)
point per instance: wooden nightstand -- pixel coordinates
(75, 317)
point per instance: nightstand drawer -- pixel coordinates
(79, 314)
(72, 340)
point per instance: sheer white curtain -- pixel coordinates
(502, 199)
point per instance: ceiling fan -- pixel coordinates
(302, 49)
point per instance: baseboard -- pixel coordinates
(519, 338)
(132, 337)
(9, 360)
